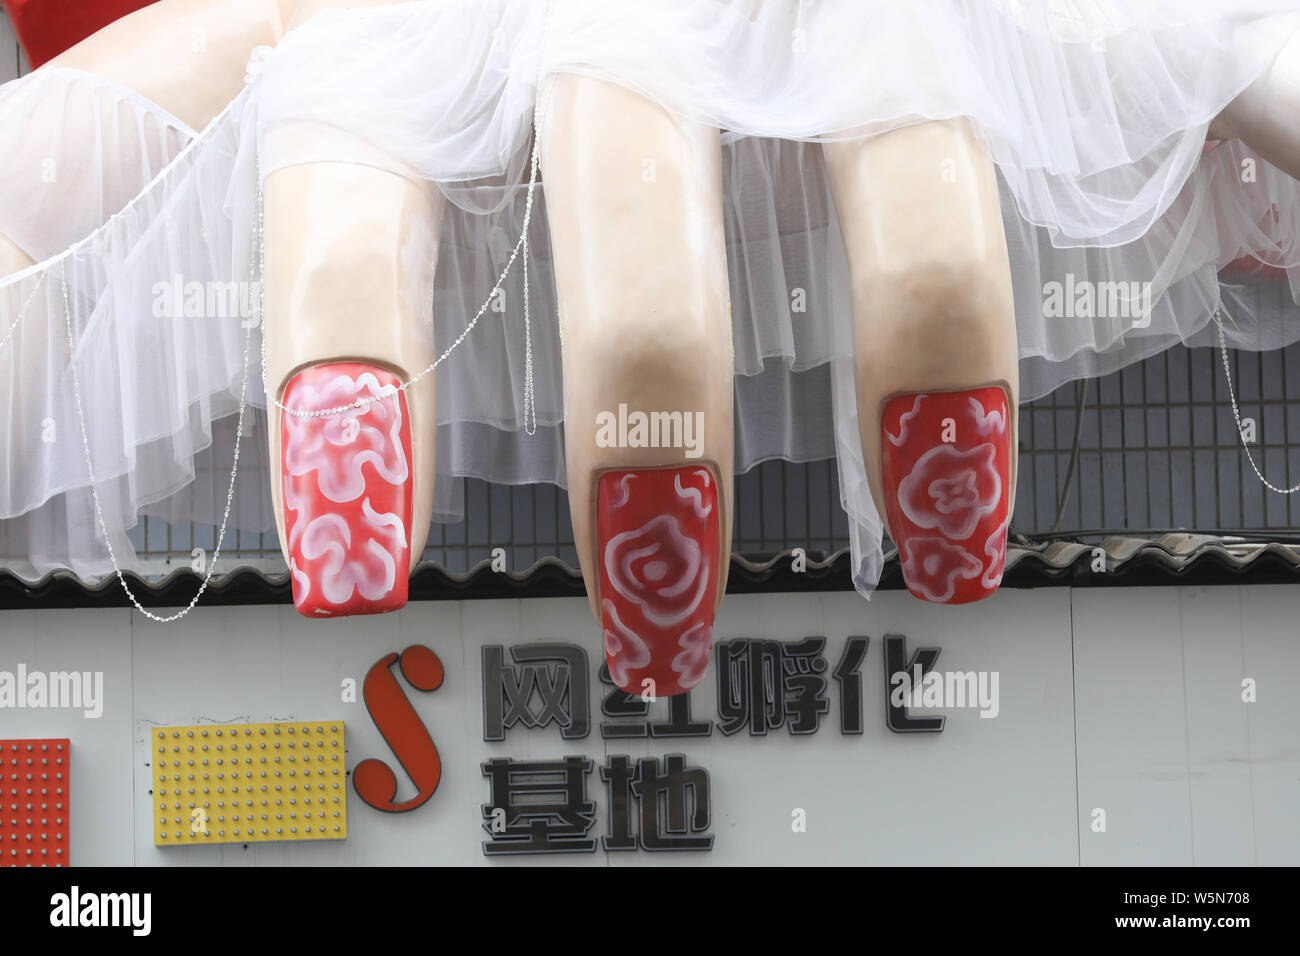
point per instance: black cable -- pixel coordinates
(1082, 390)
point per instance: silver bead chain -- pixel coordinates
(61, 261)
(90, 469)
(40, 281)
(521, 247)
(1236, 412)
(540, 105)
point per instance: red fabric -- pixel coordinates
(1249, 269)
(1258, 266)
(46, 28)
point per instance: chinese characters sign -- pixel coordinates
(658, 803)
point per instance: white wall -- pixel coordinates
(1125, 700)
(1189, 773)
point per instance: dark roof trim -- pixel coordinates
(1174, 559)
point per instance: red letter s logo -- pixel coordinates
(403, 730)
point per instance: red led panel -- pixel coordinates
(34, 801)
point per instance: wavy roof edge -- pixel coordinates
(1176, 558)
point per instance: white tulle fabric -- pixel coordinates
(1094, 112)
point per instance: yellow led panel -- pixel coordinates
(249, 783)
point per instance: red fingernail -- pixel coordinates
(946, 470)
(347, 491)
(658, 534)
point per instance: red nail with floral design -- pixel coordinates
(658, 533)
(347, 491)
(946, 471)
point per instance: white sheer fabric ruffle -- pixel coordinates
(1095, 114)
